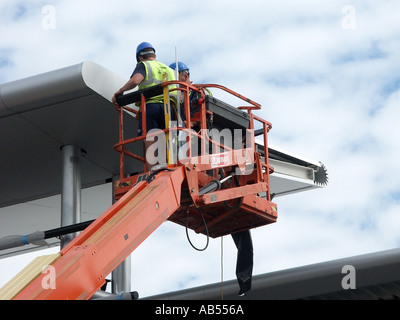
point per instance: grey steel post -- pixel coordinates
(121, 276)
(71, 189)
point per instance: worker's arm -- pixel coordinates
(132, 83)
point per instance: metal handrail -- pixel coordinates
(184, 90)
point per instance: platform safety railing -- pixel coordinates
(182, 92)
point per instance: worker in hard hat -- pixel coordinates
(147, 73)
(183, 76)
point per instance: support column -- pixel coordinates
(71, 189)
(121, 276)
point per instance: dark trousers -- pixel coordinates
(244, 262)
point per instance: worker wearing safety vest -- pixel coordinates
(194, 96)
(149, 72)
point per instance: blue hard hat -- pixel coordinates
(144, 46)
(181, 66)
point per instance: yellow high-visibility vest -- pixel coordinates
(154, 75)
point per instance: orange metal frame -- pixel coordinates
(251, 210)
(185, 89)
(144, 203)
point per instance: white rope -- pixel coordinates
(222, 268)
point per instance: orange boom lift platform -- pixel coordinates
(223, 190)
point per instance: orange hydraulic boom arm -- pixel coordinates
(100, 248)
(229, 200)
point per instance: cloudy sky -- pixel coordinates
(327, 74)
